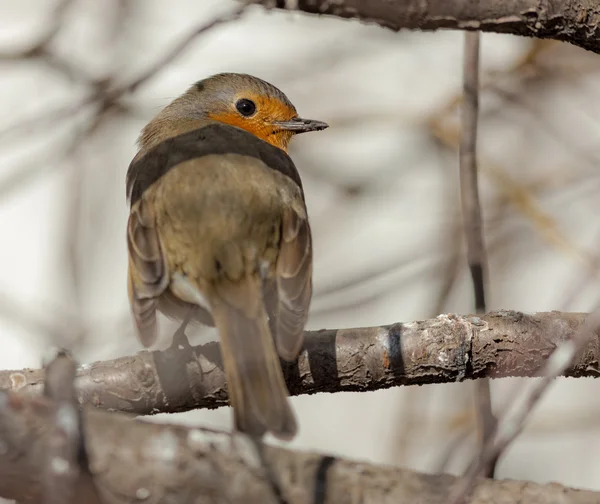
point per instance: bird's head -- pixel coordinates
(239, 100)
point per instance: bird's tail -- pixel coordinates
(257, 390)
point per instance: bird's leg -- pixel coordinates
(180, 340)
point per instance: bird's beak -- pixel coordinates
(299, 125)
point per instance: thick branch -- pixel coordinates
(448, 348)
(514, 416)
(577, 22)
(134, 461)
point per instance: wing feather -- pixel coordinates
(147, 275)
(294, 283)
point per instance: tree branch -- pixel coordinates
(568, 21)
(448, 348)
(135, 461)
(513, 418)
(63, 458)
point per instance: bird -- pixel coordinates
(218, 234)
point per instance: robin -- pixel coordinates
(218, 233)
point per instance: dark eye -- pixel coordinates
(245, 107)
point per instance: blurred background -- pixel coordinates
(382, 193)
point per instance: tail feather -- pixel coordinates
(257, 390)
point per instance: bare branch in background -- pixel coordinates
(52, 27)
(76, 198)
(469, 190)
(41, 50)
(107, 93)
(135, 461)
(471, 214)
(531, 76)
(546, 20)
(179, 48)
(446, 349)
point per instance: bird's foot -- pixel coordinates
(180, 340)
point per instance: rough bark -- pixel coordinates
(448, 348)
(574, 21)
(135, 461)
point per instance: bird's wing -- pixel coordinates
(147, 275)
(294, 283)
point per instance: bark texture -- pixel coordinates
(574, 21)
(448, 348)
(134, 461)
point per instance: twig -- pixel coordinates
(471, 210)
(53, 27)
(469, 191)
(176, 51)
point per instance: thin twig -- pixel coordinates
(471, 208)
(174, 53)
(52, 28)
(469, 191)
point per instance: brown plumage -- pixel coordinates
(218, 231)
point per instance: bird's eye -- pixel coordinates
(245, 107)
